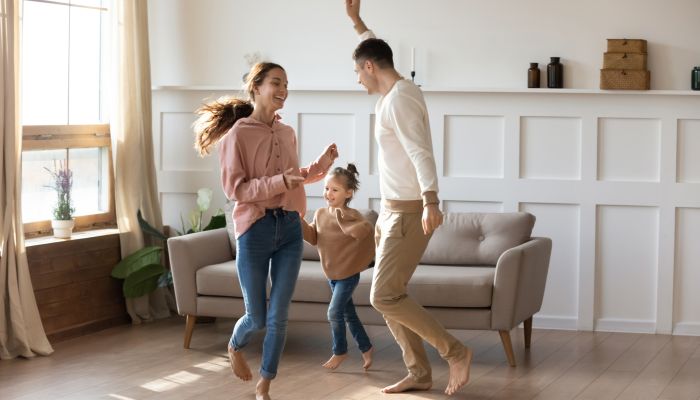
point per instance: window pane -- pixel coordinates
(44, 64)
(84, 66)
(38, 197)
(90, 192)
(90, 180)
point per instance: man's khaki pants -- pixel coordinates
(400, 246)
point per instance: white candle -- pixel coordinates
(413, 58)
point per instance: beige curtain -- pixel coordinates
(21, 332)
(132, 144)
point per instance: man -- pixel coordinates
(408, 183)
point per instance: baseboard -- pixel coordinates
(687, 329)
(551, 322)
(625, 325)
(87, 328)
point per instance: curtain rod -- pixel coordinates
(68, 4)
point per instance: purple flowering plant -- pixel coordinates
(62, 178)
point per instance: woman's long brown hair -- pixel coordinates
(216, 118)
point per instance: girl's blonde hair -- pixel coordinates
(216, 118)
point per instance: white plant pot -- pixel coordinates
(62, 229)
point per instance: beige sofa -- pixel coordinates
(480, 271)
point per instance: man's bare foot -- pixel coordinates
(407, 384)
(367, 358)
(335, 361)
(459, 373)
(239, 365)
(262, 389)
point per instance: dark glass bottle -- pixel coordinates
(533, 76)
(695, 79)
(555, 74)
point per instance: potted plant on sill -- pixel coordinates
(62, 182)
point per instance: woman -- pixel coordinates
(260, 171)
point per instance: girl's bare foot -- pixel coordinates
(407, 384)
(459, 373)
(239, 365)
(367, 358)
(335, 361)
(262, 389)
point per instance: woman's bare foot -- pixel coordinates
(367, 358)
(239, 365)
(459, 373)
(407, 384)
(335, 361)
(262, 389)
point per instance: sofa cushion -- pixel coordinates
(477, 238)
(311, 253)
(312, 285)
(431, 285)
(219, 280)
(440, 286)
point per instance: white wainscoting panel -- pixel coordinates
(687, 272)
(550, 148)
(177, 144)
(473, 146)
(562, 222)
(472, 206)
(316, 131)
(689, 150)
(176, 209)
(626, 267)
(629, 149)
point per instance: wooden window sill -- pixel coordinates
(41, 240)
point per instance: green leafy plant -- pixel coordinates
(62, 183)
(143, 270)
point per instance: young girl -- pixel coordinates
(260, 170)
(346, 246)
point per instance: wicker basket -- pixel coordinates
(624, 61)
(624, 79)
(627, 46)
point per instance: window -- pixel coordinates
(65, 64)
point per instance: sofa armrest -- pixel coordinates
(190, 252)
(518, 288)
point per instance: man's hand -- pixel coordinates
(432, 218)
(292, 181)
(352, 7)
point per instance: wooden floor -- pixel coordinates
(148, 362)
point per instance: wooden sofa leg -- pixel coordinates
(508, 347)
(527, 325)
(189, 327)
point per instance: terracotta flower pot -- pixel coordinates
(62, 229)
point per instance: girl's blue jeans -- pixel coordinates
(272, 248)
(341, 312)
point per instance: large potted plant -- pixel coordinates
(62, 182)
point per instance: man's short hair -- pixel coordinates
(376, 50)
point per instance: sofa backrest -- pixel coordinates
(311, 253)
(477, 238)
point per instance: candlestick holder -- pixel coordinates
(413, 76)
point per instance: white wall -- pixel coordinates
(612, 177)
(459, 43)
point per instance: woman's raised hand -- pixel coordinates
(331, 151)
(292, 181)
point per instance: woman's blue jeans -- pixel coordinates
(271, 247)
(341, 311)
